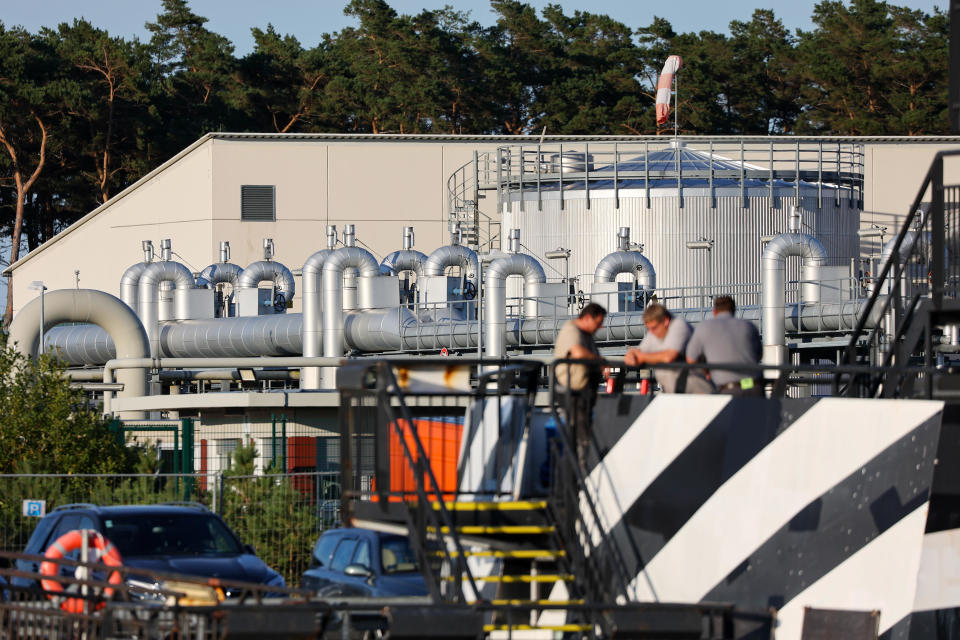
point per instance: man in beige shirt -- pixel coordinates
(577, 383)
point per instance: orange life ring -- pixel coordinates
(72, 541)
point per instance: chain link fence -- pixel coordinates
(280, 514)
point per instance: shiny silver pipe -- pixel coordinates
(495, 302)
(632, 262)
(454, 255)
(130, 283)
(268, 271)
(333, 268)
(407, 238)
(220, 273)
(909, 240)
(349, 235)
(149, 293)
(623, 239)
(403, 260)
(113, 317)
(379, 330)
(312, 270)
(773, 280)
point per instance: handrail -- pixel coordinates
(422, 467)
(934, 179)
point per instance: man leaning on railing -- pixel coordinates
(578, 382)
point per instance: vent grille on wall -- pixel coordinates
(258, 203)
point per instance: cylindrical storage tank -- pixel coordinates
(735, 208)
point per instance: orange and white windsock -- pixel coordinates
(664, 86)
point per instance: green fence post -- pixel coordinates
(273, 439)
(186, 426)
(116, 428)
(283, 440)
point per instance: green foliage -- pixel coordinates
(271, 513)
(45, 426)
(113, 109)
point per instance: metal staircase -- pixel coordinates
(916, 296)
(466, 187)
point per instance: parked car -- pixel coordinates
(360, 562)
(185, 539)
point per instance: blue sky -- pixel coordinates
(308, 19)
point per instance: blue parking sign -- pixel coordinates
(34, 508)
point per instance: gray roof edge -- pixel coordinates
(421, 137)
(109, 203)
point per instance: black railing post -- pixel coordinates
(938, 231)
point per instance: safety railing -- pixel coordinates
(747, 163)
(920, 270)
(416, 435)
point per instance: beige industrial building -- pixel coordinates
(301, 183)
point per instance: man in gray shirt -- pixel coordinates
(728, 340)
(666, 341)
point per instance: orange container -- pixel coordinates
(441, 443)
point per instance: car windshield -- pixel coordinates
(396, 555)
(153, 534)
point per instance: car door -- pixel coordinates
(319, 574)
(361, 585)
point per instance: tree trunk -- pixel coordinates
(23, 188)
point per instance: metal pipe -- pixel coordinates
(514, 241)
(909, 239)
(772, 282)
(495, 311)
(349, 235)
(311, 336)
(333, 268)
(166, 250)
(123, 364)
(404, 260)
(129, 284)
(632, 262)
(454, 255)
(623, 239)
(149, 296)
(86, 305)
(268, 271)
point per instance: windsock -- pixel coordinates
(670, 67)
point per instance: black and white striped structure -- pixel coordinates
(771, 503)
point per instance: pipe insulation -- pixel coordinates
(632, 262)
(495, 296)
(333, 270)
(454, 255)
(110, 314)
(149, 297)
(220, 273)
(312, 338)
(403, 260)
(773, 269)
(268, 271)
(396, 329)
(129, 284)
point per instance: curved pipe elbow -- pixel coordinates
(403, 260)
(803, 245)
(221, 272)
(632, 262)
(270, 271)
(518, 264)
(453, 256)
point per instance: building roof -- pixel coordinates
(388, 137)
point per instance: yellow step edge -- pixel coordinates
(519, 553)
(518, 579)
(528, 627)
(480, 530)
(514, 505)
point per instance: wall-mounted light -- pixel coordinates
(700, 245)
(872, 232)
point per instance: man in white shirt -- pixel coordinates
(666, 341)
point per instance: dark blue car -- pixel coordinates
(183, 539)
(353, 562)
